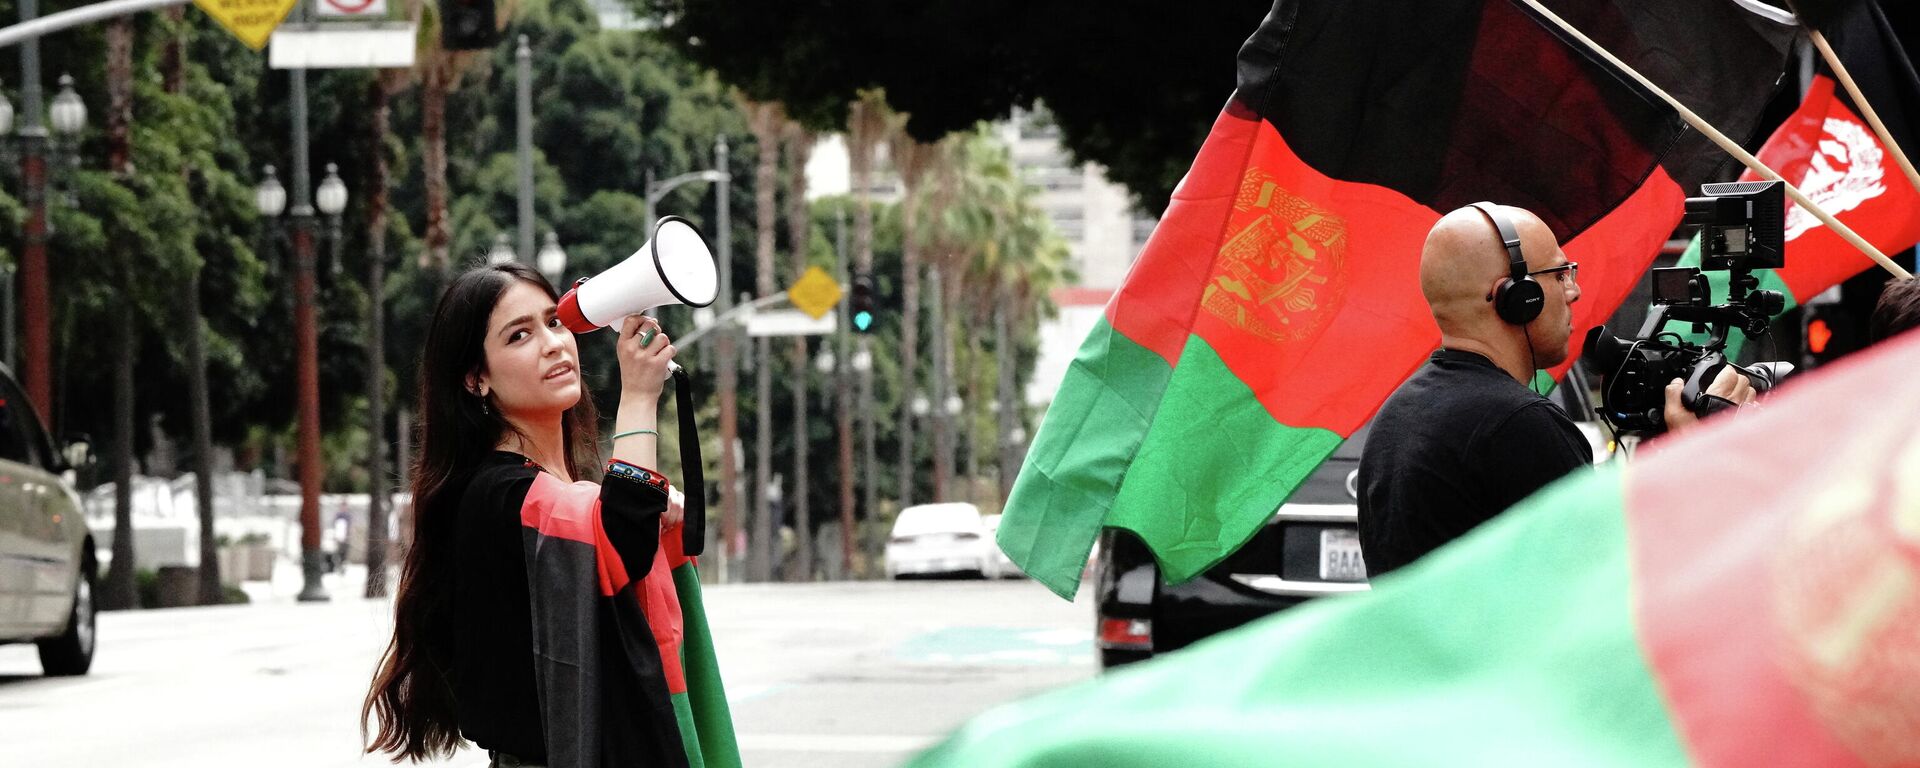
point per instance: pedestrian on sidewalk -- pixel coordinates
(523, 622)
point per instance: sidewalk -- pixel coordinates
(349, 584)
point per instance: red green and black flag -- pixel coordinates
(1829, 151)
(1747, 594)
(624, 662)
(1277, 304)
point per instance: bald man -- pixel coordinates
(1465, 437)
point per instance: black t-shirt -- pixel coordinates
(1455, 445)
(497, 702)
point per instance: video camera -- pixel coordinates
(1742, 228)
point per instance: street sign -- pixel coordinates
(250, 20)
(814, 293)
(790, 322)
(351, 9)
(344, 45)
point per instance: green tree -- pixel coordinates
(1134, 85)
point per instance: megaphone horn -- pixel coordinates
(674, 267)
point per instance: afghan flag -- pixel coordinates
(1744, 595)
(1278, 304)
(1831, 154)
(625, 663)
(693, 670)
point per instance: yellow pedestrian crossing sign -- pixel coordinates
(815, 293)
(250, 20)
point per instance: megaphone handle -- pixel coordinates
(693, 531)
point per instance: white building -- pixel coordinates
(1104, 234)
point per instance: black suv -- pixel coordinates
(1310, 547)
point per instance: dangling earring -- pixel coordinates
(482, 394)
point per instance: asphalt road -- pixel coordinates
(847, 675)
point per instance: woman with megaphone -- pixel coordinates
(526, 620)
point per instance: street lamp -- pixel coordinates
(6, 116)
(552, 261)
(656, 190)
(68, 113)
(270, 197)
(920, 405)
(501, 252)
(824, 361)
(331, 199)
(953, 405)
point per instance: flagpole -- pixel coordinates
(1845, 232)
(1866, 110)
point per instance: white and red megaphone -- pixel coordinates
(674, 267)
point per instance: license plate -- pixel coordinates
(1340, 556)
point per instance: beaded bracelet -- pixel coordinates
(618, 468)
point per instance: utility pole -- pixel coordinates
(843, 402)
(937, 414)
(729, 366)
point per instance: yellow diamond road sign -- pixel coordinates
(250, 20)
(815, 293)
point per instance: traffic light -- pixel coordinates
(861, 303)
(1819, 334)
(467, 25)
(1833, 330)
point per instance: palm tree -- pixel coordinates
(799, 142)
(975, 187)
(120, 587)
(763, 120)
(1033, 261)
(439, 72)
(911, 159)
(174, 78)
(380, 91)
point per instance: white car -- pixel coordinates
(1003, 563)
(47, 570)
(949, 538)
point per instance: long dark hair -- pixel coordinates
(410, 695)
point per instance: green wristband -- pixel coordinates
(618, 435)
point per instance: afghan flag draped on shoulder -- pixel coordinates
(1828, 150)
(1277, 304)
(1744, 595)
(625, 661)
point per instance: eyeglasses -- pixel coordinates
(1567, 273)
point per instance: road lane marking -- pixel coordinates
(1015, 646)
(813, 742)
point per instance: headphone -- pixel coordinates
(1517, 299)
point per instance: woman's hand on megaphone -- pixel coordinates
(644, 353)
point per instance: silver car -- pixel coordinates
(47, 568)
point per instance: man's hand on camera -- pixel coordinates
(1729, 384)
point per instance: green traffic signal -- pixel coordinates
(860, 304)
